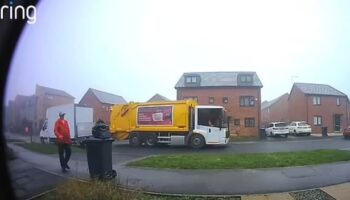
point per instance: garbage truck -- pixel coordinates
(170, 122)
(80, 121)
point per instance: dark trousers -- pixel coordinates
(64, 152)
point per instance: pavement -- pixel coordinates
(24, 174)
(273, 183)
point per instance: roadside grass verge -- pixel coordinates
(96, 190)
(47, 148)
(243, 161)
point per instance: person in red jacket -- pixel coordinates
(62, 133)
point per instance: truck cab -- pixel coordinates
(211, 122)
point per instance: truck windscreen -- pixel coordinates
(210, 117)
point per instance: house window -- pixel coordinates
(225, 100)
(237, 122)
(249, 122)
(245, 79)
(211, 100)
(191, 79)
(247, 101)
(49, 97)
(316, 100)
(191, 97)
(338, 101)
(317, 120)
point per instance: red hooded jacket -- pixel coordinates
(62, 131)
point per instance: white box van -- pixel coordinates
(80, 121)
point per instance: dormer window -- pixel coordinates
(192, 80)
(245, 79)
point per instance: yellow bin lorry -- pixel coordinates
(170, 122)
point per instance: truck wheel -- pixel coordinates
(151, 140)
(134, 140)
(197, 141)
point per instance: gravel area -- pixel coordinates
(316, 194)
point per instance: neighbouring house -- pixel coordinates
(275, 110)
(11, 116)
(320, 105)
(158, 97)
(21, 113)
(238, 92)
(101, 102)
(45, 98)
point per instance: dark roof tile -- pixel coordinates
(158, 97)
(218, 79)
(318, 89)
(55, 92)
(108, 98)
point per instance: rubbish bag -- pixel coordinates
(101, 130)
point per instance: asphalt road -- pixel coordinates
(122, 152)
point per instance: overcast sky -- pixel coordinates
(138, 48)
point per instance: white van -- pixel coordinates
(80, 121)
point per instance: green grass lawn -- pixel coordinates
(47, 148)
(243, 161)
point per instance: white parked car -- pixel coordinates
(277, 128)
(299, 127)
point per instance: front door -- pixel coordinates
(213, 133)
(337, 122)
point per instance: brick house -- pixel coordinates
(238, 92)
(319, 105)
(275, 110)
(158, 97)
(21, 113)
(45, 98)
(101, 102)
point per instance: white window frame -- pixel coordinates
(194, 79)
(248, 101)
(191, 79)
(338, 101)
(249, 120)
(317, 120)
(316, 100)
(211, 100)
